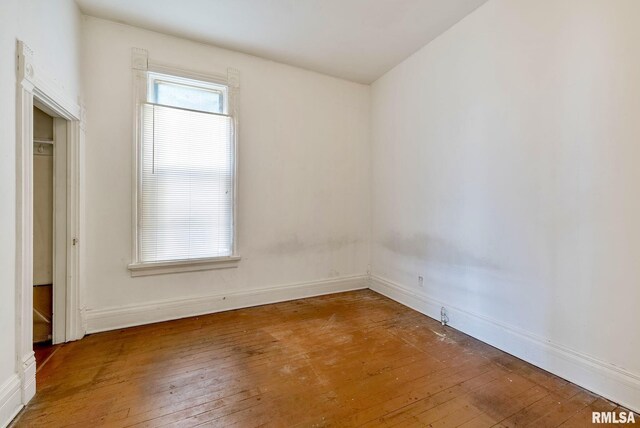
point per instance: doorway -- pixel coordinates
(49, 231)
(35, 88)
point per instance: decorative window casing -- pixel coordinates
(185, 185)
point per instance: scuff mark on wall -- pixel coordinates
(294, 244)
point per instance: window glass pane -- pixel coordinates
(190, 97)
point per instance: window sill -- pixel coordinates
(160, 268)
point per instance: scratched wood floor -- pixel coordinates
(350, 359)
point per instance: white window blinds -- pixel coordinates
(186, 186)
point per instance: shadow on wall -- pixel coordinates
(433, 249)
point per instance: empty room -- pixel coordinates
(319, 213)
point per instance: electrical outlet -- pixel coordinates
(420, 281)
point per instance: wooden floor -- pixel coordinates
(43, 351)
(351, 359)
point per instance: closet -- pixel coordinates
(42, 226)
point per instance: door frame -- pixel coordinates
(35, 83)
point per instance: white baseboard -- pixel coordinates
(147, 313)
(28, 377)
(10, 400)
(605, 379)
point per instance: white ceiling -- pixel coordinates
(358, 40)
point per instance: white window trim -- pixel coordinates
(140, 66)
(159, 268)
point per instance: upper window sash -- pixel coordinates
(187, 93)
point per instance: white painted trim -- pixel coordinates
(618, 385)
(28, 370)
(139, 65)
(24, 220)
(160, 268)
(10, 401)
(34, 82)
(146, 313)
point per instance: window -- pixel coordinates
(186, 176)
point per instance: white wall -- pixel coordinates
(58, 49)
(303, 172)
(505, 171)
(42, 202)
